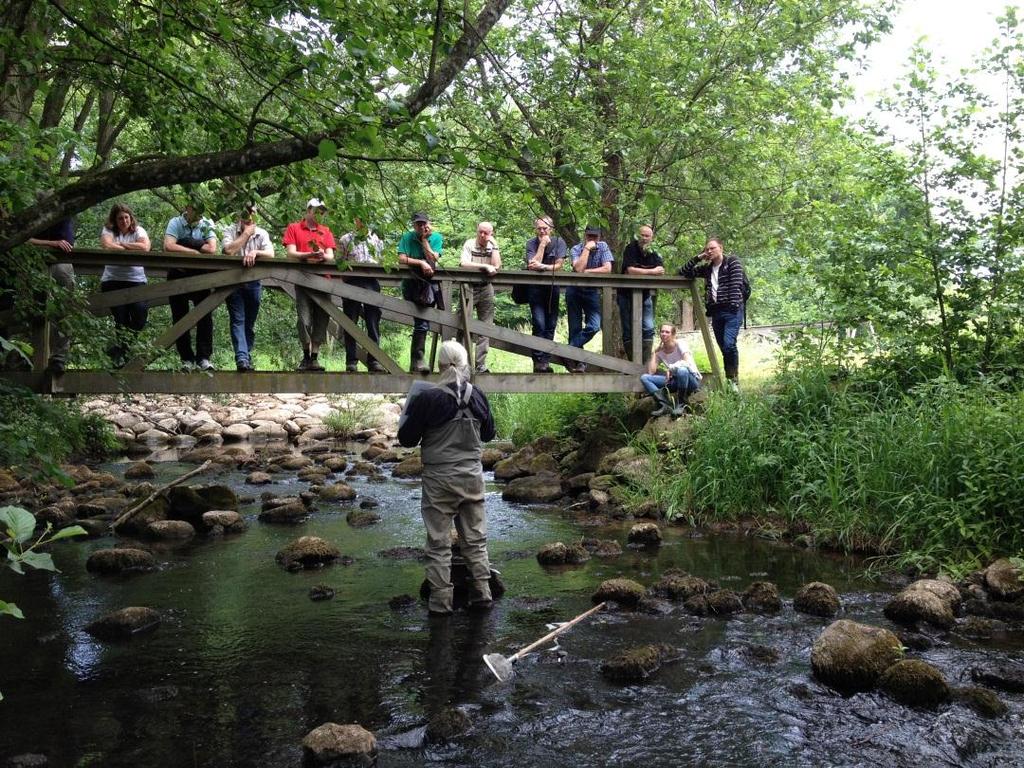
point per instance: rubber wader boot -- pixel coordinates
(662, 398)
(416, 362)
(648, 350)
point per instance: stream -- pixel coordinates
(244, 664)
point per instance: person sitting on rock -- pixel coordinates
(681, 376)
(452, 420)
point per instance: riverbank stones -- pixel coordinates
(124, 624)
(120, 560)
(623, 591)
(636, 664)
(259, 478)
(927, 600)
(411, 466)
(227, 519)
(817, 599)
(646, 535)
(914, 683)
(851, 657)
(307, 552)
(331, 742)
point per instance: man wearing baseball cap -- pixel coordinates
(309, 240)
(248, 242)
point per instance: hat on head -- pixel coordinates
(316, 202)
(592, 230)
(418, 218)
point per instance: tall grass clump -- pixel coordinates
(930, 477)
(524, 417)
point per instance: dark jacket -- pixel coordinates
(433, 408)
(730, 282)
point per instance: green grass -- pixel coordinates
(928, 478)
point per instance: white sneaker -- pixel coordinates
(206, 365)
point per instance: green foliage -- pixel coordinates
(17, 526)
(38, 433)
(524, 417)
(928, 476)
(351, 416)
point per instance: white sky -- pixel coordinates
(954, 30)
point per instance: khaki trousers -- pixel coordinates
(448, 495)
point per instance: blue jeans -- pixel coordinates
(243, 306)
(682, 381)
(726, 325)
(583, 308)
(646, 318)
(543, 318)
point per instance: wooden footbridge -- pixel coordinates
(222, 274)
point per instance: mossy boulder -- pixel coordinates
(516, 465)
(259, 478)
(411, 466)
(915, 683)
(446, 725)
(602, 547)
(636, 664)
(190, 502)
(722, 602)
(644, 535)
(139, 470)
(339, 491)
(362, 518)
(136, 525)
(533, 489)
(229, 520)
(558, 553)
(291, 512)
(817, 599)
(332, 742)
(927, 600)
(680, 586)
(1003, 580)
(170, 530)
(120, 560)
(334, 462)
(762, 597)
(851, 657)
(307, 552)
(981, 700)
(124, 624)
(1006, 676)
(321, 592)
(491, 456)
(623, 591)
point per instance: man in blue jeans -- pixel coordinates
(724, 280)
(544, 253)
(249, 242)
(583, 305)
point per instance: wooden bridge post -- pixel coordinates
(607, 320)
(636, 316)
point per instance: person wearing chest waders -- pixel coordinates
(452, 421)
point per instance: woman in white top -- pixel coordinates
(123, 233)
(681, 376)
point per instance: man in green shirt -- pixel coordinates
(420, 250)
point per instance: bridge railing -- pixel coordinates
(221, 274)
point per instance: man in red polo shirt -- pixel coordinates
(311, 241)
